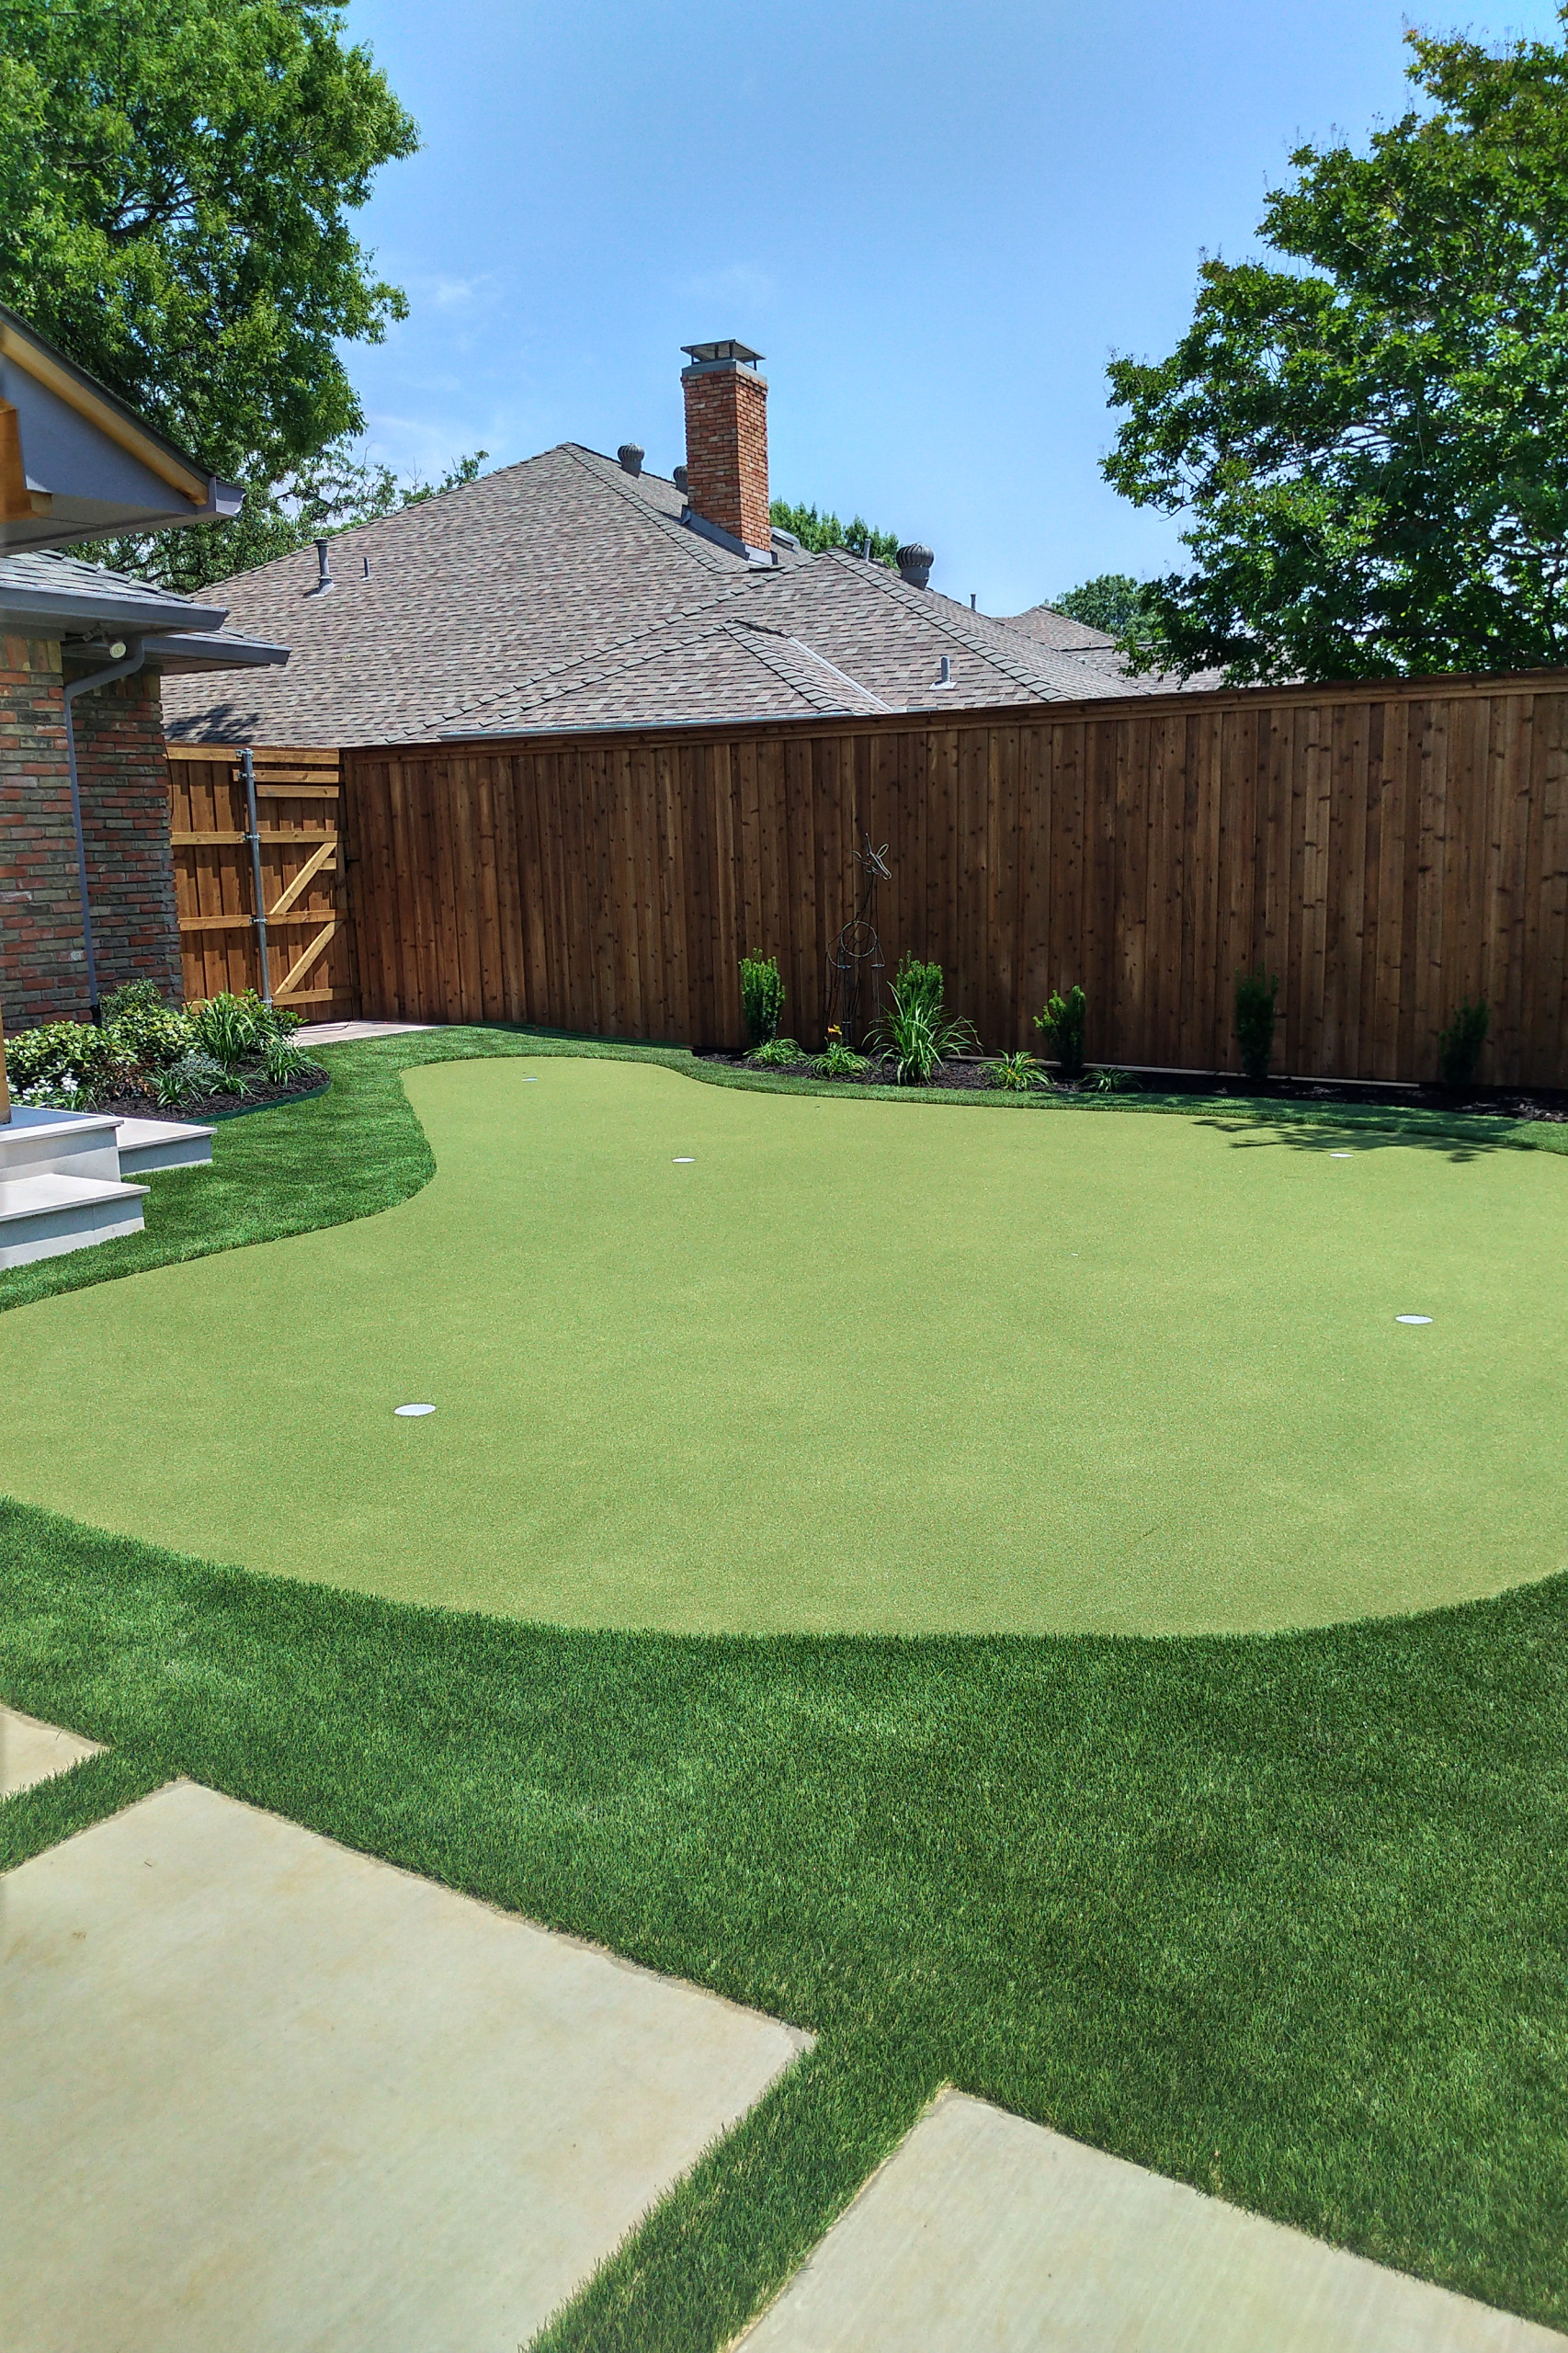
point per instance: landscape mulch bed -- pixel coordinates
(1498, 1102)
(260, 1093)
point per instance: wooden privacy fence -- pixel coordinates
(1387, 850)
(308, 943)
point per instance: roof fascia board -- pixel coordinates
(202, 650)
(18, 608)
(20, 343)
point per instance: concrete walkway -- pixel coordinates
(264, 2094)
(348, 1033)
(31, 1752)
(986, 2234)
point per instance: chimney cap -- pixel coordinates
(915, 563)
(726, 354)
(630, 456)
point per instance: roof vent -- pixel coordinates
(631, 454)
(944, 676)
(915, 564)
(324, 569)
(680, 481)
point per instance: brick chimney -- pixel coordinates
(726, 442)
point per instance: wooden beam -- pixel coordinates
(305, 877)
(243, 922)
(302, 964)
(207, 841)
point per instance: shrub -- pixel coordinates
(147, 1036)
(67, 1062)
(284, 1062)
(918, 983)
(133, 997)
(1256, 993)
(1112, 1081)
(195, 1074)
(1062, 1025)
(762, 997)
(1460, 1045)
(232, 1029)
(839, 1060)
(1016, 1074)
(916, 1040)
(777, 1053)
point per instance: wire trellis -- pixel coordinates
(855, 959)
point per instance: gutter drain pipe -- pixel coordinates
(247, 769)
(132, 656)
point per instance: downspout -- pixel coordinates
(131, 660)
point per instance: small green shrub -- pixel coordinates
(1112, 1081)
(839, 1060)
(234, 1030)
(1257, 996)
(918, 983)
(129, 1000)
(1061, 1025)
(917, 1041)
(284, 1062)
(195, 1074)
(1016, 1074)
(762, 997)
(64, 1063)
(777, 1053)
(1460, 1045)
(145, 1038)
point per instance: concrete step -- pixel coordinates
(44, 1216)
(161, 1143)
(69, 1143)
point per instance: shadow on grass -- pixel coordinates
(1319, 1132)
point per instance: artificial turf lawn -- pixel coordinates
(1282, 1917)
(857, 1368)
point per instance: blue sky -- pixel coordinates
(937, 222)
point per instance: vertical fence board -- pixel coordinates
(1385, 849)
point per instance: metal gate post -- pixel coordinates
(247, 769)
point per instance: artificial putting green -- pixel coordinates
(861, 1366)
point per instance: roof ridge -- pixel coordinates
(732, 625)
(711, 557)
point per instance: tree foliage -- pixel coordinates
(1373, 445)
(1113, 601)
(175, 181)
(817, 533)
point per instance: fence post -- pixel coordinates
(247, 769)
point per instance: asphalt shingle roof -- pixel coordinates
(565, 592)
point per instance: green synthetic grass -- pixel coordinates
(856, 1368)
(1282, 1917)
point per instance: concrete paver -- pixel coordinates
(263, 2093)
(31, 1751)
(348, 1033)
(987, 2234)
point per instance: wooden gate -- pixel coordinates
(309, 939)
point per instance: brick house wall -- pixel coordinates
(124, 772)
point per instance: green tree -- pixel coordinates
(1113, 601)
(175, 181)
(817, 532)
(1373, 445)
